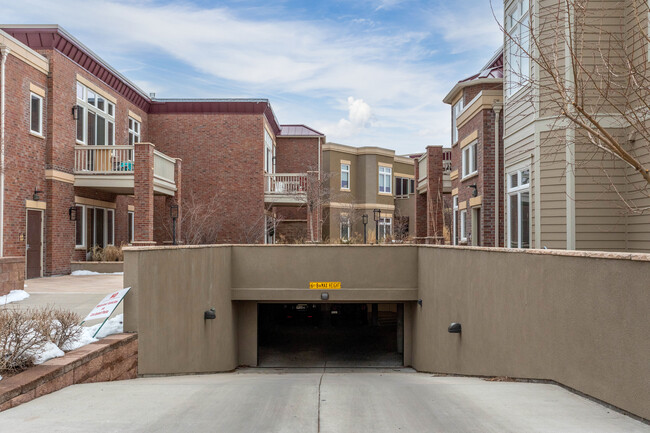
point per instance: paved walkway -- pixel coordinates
(77, 293)
(340, 401)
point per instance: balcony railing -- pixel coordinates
(163, 166)
(446, 166)
(285, 183)
(423, 168)
(104, 159)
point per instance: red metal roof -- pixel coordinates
(299, 131)
(494, 69)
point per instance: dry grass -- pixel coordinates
(113, 254)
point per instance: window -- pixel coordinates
(99, 227)
(412, 183)
(463, 225)
(80, 228)
(36, 114)
(518, 26)
(134, 131)
(269, 151)
(345, 228)
(131, 226)
(110, 226)
(385, 227)
(454, 234)
(385, 179)
(345, 176)
(95, 118)
(519, 209)
(403, 187)
(455, 112)
(469, 160)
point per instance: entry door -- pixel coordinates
(34, 243)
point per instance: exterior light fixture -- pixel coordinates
(75, 112)
(72, 213)
(475, 192)
(377, 215)
(210, 314)
(324, 296)
(36, 196)
(454, 328)
(364, 217)
(173, 212)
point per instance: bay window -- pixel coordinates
(518, 46)
(519, 208)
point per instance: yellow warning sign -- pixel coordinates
(325, 285)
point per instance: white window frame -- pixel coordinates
(83, 227)
(131, 223)
(469, 160)
(385, 179)
(345, 168)
(454, 235)
(463, 225)
(455, 112)
(344, 223)
(40, 113)
(134, 131)
(385, 227)
(517, 191)
(108, 113)
(405, 192)
(107, 212)
(518, 63)
(110, 212)
(269, 153)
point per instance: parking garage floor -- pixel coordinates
(316, 400)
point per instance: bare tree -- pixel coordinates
(589, 76)
(198, 220)
(318, 194)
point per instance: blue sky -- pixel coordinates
(364, 72)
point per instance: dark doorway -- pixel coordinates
(34, 243)
(332, 335)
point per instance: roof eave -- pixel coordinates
(461, 85)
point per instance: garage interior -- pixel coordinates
(330, 335)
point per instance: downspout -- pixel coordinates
(4, 51)
(497, 111)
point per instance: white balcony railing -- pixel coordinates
(285, 183)
(423, 168)
(446, 166)
(163, 166)
(104, 159)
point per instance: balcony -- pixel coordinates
(112, 169)
(423, 169)
(285, 188)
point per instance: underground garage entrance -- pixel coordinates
(330, 334)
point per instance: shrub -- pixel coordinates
(59, 326)
(21, 338)
(113, 254)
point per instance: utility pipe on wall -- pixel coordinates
(497, 110)
(4, 51)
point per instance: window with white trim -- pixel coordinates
(385, 179)
(455, 112)
(454, 234)
(519, 208)
(345, 228)
(134, 131)
(95, 118)
(345, 176)
(80, 226)
(518, 46)
(269, 151)
(469, 159)
(36, 114)
(385, 227)
(131, 226)
(99, 226)
(463, 225)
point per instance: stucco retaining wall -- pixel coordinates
(101, 267)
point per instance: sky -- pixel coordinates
(364, 72)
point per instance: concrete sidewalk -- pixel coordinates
(349, 400)
(77, 293)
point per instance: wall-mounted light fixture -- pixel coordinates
(454, 328)
(36, 196)
(210, 314)
(75, 112)
(475, 192)
(324, 296)
(72, 213)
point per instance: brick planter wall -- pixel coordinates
(12, 274)
(112, 358)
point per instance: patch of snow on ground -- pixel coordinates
(49, 351)
(112, 326)
(84, 272)
(13, 296)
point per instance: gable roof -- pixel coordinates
(299, 131)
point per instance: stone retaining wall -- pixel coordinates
(12, 274)
(112, 358)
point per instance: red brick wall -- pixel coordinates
(223, 158)
(296, 155)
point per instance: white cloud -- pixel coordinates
(359, 117)
(388, 4)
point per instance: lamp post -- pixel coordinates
(173, 212)
(377, 215)
(365, 223)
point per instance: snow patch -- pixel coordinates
(49, 351)
(84, 272)
(14, 296)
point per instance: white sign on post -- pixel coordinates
(106, 307)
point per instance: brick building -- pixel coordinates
(90, 159)
(477, 157)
